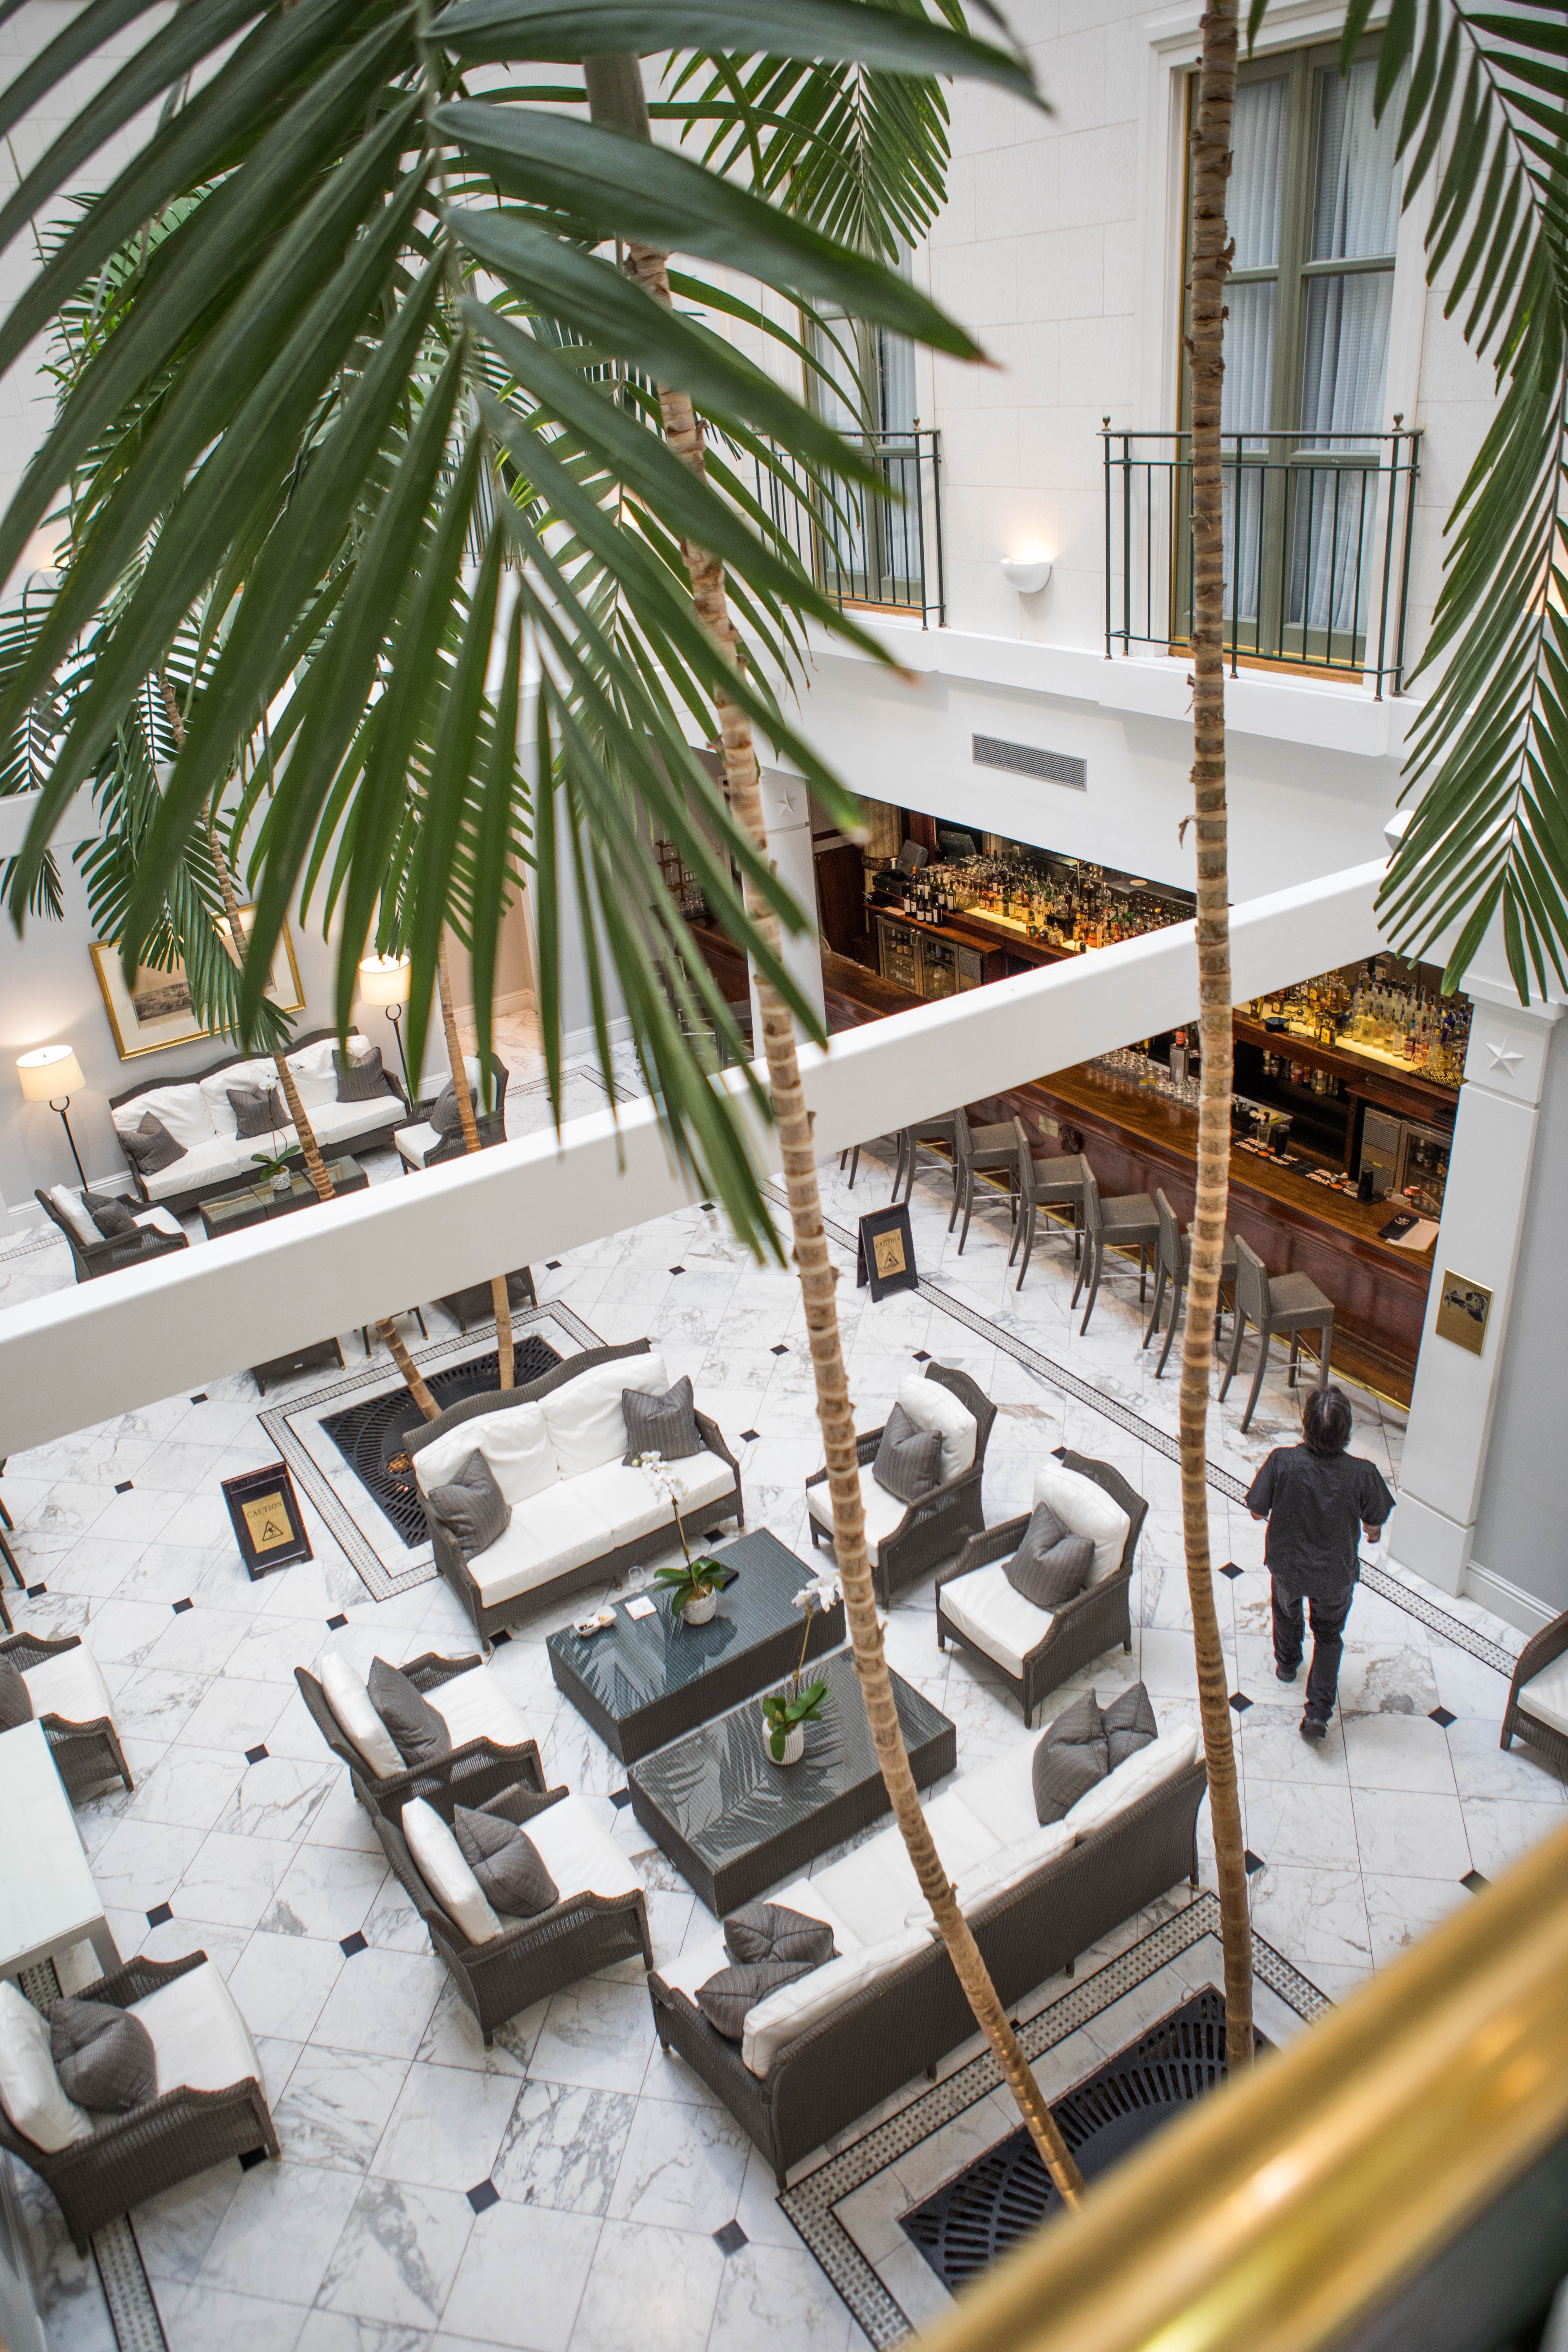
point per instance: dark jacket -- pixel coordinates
(1315, 1505)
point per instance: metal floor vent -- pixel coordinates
(1007, 2192)
(1026, 760)
(367, 1433)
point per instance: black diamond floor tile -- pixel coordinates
(251, 2158)
(780, 1351)
(496, 1639)
(1230, 1569)
(750, 1436)
(730, 2237)
(37, 1592)
(705, 1205)
(352, 1945)
(200, 1400)
(1441, 1716)
(336, 1624)
(160, 1916)
(923, 1355)
(678, 1269)
(125, 1486)
(483, 2195)
(1474, 1881)
(553, 1265)
(1251, 1862)
(256, 1754)
(620, 1798)
(180, 1607)
(1240, 1701)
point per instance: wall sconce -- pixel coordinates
(384, 980)
(51, 1071)
(1028, 574)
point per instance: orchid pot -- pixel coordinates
(786, 1715)
(694, 1588)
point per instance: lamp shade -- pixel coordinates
(49, 1070)
(384, 980)
(1026, 573)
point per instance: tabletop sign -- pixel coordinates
(885, 1255)
(264, 1511)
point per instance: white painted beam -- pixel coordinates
(108, 1347)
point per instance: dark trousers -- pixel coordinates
(1328, 1627)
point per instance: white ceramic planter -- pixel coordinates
(794, 1747)
(699, 1610)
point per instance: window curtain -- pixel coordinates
(1252, 212)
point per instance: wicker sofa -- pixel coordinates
(601, 1918)
(903, 1543)
(157, 1232)
(908, 2009)
(590, 1521)
(492, 1749)
(187, 2126)
(72, 1708)
(1034, 1652)
(1537, 1709)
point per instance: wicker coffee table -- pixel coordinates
(733, 1822)
(644, 1680)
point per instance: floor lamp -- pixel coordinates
(384, 981)
(54, 1071)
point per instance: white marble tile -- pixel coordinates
(484, 2304)
(446, 2127)
(207, 2316)
(1313, 1915)
(1404, 1835)
(597, 2035)
(325, 1893)
(295, 2211)
(175, 2227)
(1502, 1830)
(681, 2167)
(657, 2288)
(1401, 1911)
(142, 1862)
(563, 2147)
(380, 2002)
(1312, 1825)
(230, 1881)
(1397, 1751)
(774, 2299)
(188, 1787)
(282, 1983)
(279, 1798)
(340, 2331)
(397, 2254)
(336, 2107)
(1484, 1768)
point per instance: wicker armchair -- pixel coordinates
(130, 2158)
(529, 1962)
(1085, 1628)
(490, 1125)
(478, 1769)
(117, 1250)
(933, 1529)
(1542, 1650)
(86, 1753)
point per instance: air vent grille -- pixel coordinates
(1025, 759)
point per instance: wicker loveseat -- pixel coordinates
(903, 1543)
(1537, 1709)
(588, 1522)
(72, 1708)
(1033, 1651)
(912, 2012)
(157, 1232)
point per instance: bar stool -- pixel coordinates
(1129, 1222)
(1044, 1184)
(928, 1131)
(1271, 1304)
(979, 1151)
(1176, 1266)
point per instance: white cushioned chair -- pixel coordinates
(493, 1746)
(421, 1145)
(73, 1708)
(1537, 1709)
(903, 1541)
(158, 1231)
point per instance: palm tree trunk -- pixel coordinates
(460, 1088)
(1211, 262)
(310, 1150)
(615, 99)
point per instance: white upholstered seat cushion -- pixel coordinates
(416, 1143)
(875, 1891)
(344, 1688)
(1545, 1695)
(794, 2007)
(1085, 1509)
(315, 1073)
(1002, 1793)
(184, 1111)
(209, 1163)
(549, 1535)
(69, 1684)
(200, 2041)
(438, 1859)
(884, 1512)
(338, 1123)
(584, 1416)
(515, 1445)
(1143, 1770)
(473, 1706)
(632, 1505)
(579, 1853)
(1010, 1863)
(215, 1093)
(30, 2091)
(158, 1220)
(930, 1405)
(996, 1619)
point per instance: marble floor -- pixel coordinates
(562, 2192)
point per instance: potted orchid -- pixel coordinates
(694, 1588)
(787, 1713)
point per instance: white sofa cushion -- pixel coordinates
(584, 1416)
(875, 1891)
(69, 1684)
(632, 1505)
(474, 1707)
(70, 1207)
(342, 1688)
(200, 2041)
(438, 1859)
(515, 1444)
(931, 1406)
(315, 1074)
(340, 1123)
(211, 1162)
(1085, 1509)
(30, 2091)
(1012, 1863)
(416, 1143)
(214, 1090)
(549, 1534)
(794, 2007)
(1545, 1695)
(158, 1220)
(884, 1512)
(579, 1853)
(1002, 1793)
(996, 1618)
(1143, 1770)
(182, 1109)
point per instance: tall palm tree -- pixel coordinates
(464, 1095)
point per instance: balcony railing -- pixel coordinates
(1317, 546)
(876, 545)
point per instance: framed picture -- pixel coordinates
(1462, 1311)
(886, 1254)
(157, 1012)
(264, 1512)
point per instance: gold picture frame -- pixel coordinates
(157, 1014)
(1463, 1307)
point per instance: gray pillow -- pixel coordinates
(506, 1862)
(112, 1217)
(771, 1931)
(472, 1509)
(15, 1700)
(103, 2056)
(257, 1110)
(151, 1146)
(1130, 1725)
(1072, 1755)
(361, 1077)
(419, 1734)
(666, 1425)
(445, 1116)
(1051, 1567)
(725, 1999)
(909, 1460)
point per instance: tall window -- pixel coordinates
(872, 546)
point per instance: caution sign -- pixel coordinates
(264, 1512)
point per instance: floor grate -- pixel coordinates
(370, 1433)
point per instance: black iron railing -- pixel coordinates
(1317, 546)
(876, 544)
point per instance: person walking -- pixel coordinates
(1315, 1496)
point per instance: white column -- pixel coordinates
(1483, 1214)
(787, 811)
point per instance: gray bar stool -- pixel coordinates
(983, 1151)
(1045, 1184)
(1276, 1304)
(1129, 1222)
(1176, 1267)
(926, 1131)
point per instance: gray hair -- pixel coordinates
(1326, 1420)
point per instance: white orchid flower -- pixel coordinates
(820, 1592)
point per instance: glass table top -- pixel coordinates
(641, 1659)
(721, 1791)
(344, 1173)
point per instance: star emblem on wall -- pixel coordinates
(1505, 1058)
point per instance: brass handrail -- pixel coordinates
(1301, 2197)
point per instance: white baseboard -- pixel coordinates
(1508, 1601)
(584, 1041)
(520, 999)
